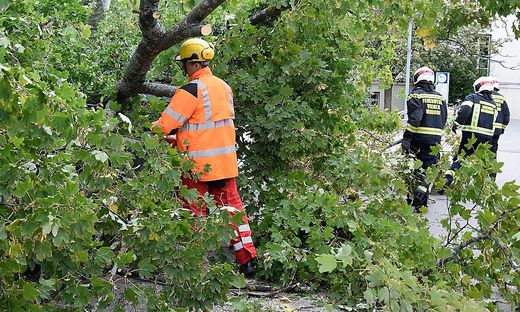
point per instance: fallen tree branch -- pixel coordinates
(260, 294)
(158, 89)
(456, 251)
(266, 14)
(156, 39)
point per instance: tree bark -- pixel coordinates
(266, 14)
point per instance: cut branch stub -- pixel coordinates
(206, 30)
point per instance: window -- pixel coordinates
(375, 98)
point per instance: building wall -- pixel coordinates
(392, 98)
(399, 96)
(508, 56)
(375, 88)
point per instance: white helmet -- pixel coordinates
(484, 84)
(496, 84)
(423, 74)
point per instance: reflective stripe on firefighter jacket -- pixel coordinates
(503, 114)
(477, 115)
(203, 113)
(427, 114)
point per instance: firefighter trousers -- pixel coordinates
(226, 196)
(421, 189)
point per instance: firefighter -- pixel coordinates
(476, 117)
(503, 116)
(427, 114)
(201, 113)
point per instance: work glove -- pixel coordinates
(405, 144)
(171, 139)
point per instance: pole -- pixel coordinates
(408, 60)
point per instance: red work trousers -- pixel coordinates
(226, 196)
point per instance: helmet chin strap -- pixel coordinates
(184, 70)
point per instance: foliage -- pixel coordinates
(87, 200)
(87, 204)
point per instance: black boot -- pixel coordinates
(248, 268)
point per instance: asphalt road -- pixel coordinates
(509, 153)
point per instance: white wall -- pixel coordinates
(399, 96)
(508, 56)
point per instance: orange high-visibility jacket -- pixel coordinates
(203, 112)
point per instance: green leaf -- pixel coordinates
(345, 254)
(61, 238)
(510, 189)
(81, 255)
(5, 43)
(81, 296)
(369, 295)
(42, 250)
(5, 87)
(23, 187)
(28, 228)
(30, 292)
(146, 268)
(125, 258)
(327, 263)
(3, 233)
(239, 281)
(104, 256)
(132, 295)
(100, 155)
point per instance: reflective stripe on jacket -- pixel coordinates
(203, 112)
(503, 114)
(427, 114)
(477, 114)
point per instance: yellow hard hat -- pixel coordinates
(195, 50)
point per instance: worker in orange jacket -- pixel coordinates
(202, 112)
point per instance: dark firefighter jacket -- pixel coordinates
(477, 115)
(427, 115)
(503, 114)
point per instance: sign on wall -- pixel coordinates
(442, 84)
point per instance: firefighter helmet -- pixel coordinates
(496, 83)
(423, 74)
(195, 50)
(484, 84)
